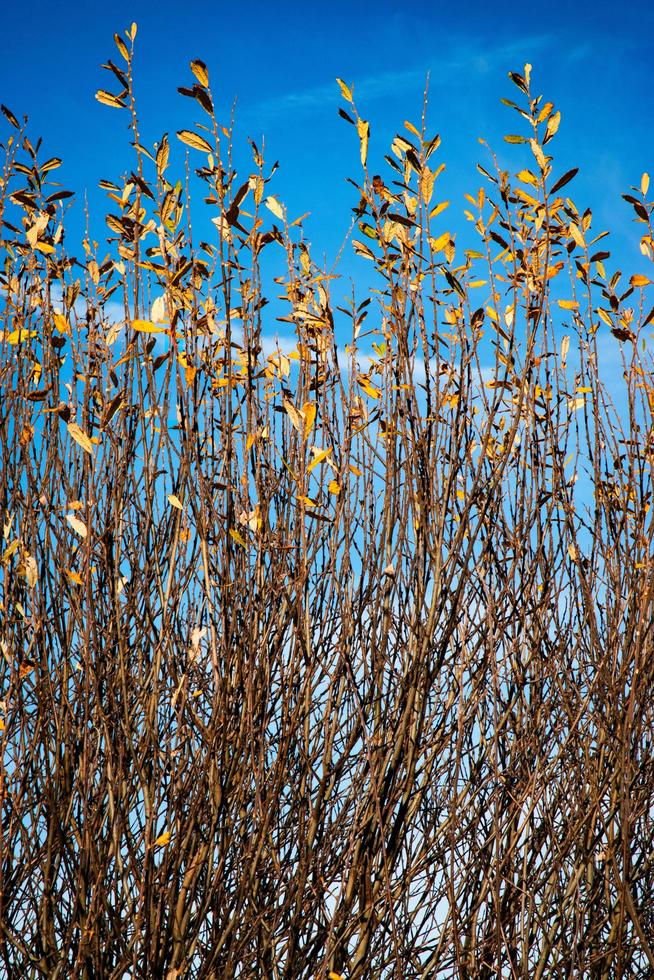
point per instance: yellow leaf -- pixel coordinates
(439, 208)
(194, 140)
(309, 415)
(346, 91)
(369, 388)
(334, 487)
(576, 235)
(307, 501)
(174, 501)
(640, 281)
(426, 184)
(334, 976)
(61, 323)
(572, 552)
(2, 724)
(200, 71)
(644, 184)
(354, 469)
(9, 551)
(538, 153)
(74, 576)
(147, 326)
(568, 304)
(553, 124)
(363, 129)
(273, 205)
(438, 244)
(527, 177)
(20, 336)
(80, 437)
(106, 98)
(163, 839)
(237, 537)
(318, 458)
(44, 247)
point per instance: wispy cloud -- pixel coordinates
(462, 57)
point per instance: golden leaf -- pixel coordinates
(426, 184)
(106, 98)
(9, 551)
(174, 501)
(552, 126)
(80, 437)
(147, 326)
(568, 304)
(334, 487)
(346, 91)
(438, 244)
(194, 140)
(576, 235)
(61, 323)
(309, 415)
(363, 129)
(273, 205)
(439, 208)
(320, 455)
(369, 388)
(163, 839)
(20, 336)
(640, 281)
(644, 184)
(238, 537)
(200, 71)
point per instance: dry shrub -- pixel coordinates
(316, 664)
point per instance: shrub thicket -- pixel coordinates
(315, 663)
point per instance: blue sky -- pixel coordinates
(279, 60)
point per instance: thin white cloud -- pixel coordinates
(463, 57)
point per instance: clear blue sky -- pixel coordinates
(594, 60)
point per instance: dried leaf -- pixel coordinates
(309, 415)
(194, 140)
(147, 326)
(346, 91)
(106, 98)
(80, 437)
(273, 205)
(237, 537)
(200, 71)
(363, 129)
(77, 525)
